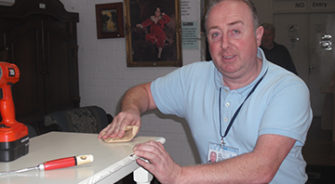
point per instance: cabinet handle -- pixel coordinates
(42, 5)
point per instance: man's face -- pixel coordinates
(232, 39)
(213, 156)
(267, 39)
(157, 12)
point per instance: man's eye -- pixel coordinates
(214, 35)
(236, 32)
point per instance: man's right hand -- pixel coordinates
(116, 129)
(136, 101)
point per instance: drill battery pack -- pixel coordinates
(14, 141)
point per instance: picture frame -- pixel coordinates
(109, 19)
(153, 40)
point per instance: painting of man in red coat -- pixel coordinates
(154, 37)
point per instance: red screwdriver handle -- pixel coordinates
(59, 163)
(67, 162)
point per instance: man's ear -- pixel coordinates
(259, 35)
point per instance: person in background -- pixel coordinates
(275, 52)
(253, 113)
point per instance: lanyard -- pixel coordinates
(237, 111)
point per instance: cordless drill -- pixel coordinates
(14, 139)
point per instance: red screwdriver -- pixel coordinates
(56, 164)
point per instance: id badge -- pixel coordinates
(219, 152)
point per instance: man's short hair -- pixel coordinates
(249, 3)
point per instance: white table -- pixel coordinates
(111, 162)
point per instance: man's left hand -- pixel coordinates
(159, 162)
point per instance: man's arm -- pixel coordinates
(258, 166)
(135, 101)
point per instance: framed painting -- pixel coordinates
(153, 33)
(109, 20)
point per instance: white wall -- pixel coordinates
(264, 10)
(104, 77)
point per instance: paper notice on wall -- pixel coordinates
(190, 33)
(190, 11)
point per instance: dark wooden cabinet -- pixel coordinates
(39, 36)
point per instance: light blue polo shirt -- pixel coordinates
(279, 105)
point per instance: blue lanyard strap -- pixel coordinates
(237, 111)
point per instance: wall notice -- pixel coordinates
(190, 35)
(190, 27)
(319, 4)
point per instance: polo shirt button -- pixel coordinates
(225, 119)
(227, 104)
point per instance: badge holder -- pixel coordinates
(220, 152)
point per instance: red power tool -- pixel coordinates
(14, 139)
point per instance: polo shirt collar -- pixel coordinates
(220, 84)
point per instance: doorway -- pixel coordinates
(308, 37)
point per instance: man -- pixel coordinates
(275, 52)
(254, 114)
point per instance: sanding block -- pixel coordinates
(130, 132)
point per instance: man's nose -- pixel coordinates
(225, 42)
